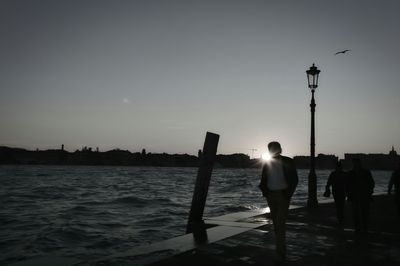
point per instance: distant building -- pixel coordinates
(393, 152)
(326, 161)
(375, 161)
(322, 161)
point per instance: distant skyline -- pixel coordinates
(159, 74)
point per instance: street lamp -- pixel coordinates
(312, 76)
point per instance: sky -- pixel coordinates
(160, 74)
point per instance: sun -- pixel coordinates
(266, 156)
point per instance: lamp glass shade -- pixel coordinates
(312, 77)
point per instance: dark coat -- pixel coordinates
(289, 171)
(395, 181)
(360, 185)
(337, 179)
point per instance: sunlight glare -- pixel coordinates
(266, 156)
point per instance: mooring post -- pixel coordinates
(207, 159)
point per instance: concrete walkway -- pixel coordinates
(313, 238)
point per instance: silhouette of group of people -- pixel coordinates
(279, 180)
(358, 186)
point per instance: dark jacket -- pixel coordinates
(289, 171)
(360, 185)
(395, 181)
(337, 179)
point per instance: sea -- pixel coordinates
(88, 212)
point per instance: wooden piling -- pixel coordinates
(195, 221)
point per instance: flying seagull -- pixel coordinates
(342, 52)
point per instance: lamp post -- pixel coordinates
(312, 76)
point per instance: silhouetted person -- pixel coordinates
(337, 179)
(278, 183)
(395, 181)
(360, 187)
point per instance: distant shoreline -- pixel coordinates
(117, 157)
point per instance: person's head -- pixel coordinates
(274, 148)
(338, 165)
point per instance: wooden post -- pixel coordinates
(202, 182)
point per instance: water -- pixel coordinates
(88, 212)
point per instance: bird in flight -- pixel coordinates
(342, 52)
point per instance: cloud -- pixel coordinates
(126, 100)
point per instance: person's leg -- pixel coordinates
(356, 216)
(397, 195)
(278, 205)
(280, 230)
(340, 208)
(273, 206)
(339, 204)
(365, 215)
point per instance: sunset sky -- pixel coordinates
(159, 74)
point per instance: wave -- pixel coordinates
(42, 174)
(79, 208)
(113, 224)
(131, 200)
(70, 234)
(219, 210)
(155, 221)
(139, 201)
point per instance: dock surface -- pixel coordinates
(313, 238)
